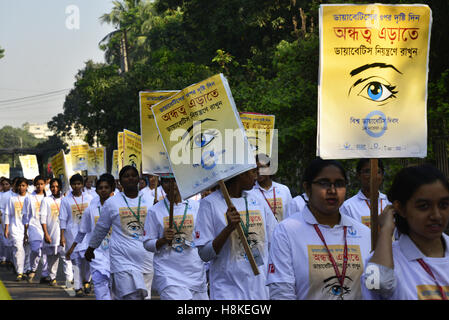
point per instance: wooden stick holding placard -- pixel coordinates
(239, 229)
(171, 197)
(155, 190)
(374, 198)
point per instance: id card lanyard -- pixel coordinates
(430, 273)
(178, 230)
(137, 216)
(274, 200)
(340, 276)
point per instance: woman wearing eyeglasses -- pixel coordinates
(358, 207)
(318, 253)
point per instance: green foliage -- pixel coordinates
(15, 137)
(269, 51)
(2, 53)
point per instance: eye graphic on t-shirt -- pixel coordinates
(333, 288)
(134, 227)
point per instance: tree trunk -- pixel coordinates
(441, 156)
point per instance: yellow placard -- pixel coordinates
(96, 161)
(59, 168)
(373, 81)
(114, 167)
(30, 168)
(78, 156)
(132, 149)
(4, 170)
(203, 135)
(259, 130)
(120, 150)
(154, 158)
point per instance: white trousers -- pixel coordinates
(102, 286)
(36, 255)
(81, 270)
(53, 256)
(182, 293)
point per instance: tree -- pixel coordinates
(2, 53)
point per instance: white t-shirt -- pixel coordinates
(412, 281)
(31, 216)
(87, 225)
(72, 210)
(299, 257)
(296, 205)
(230, 273)
(13, 216)
(126, 249)
(4, 200)
(183, 266)
(148, 195)
(50, 210)
(358, 207)
(277, 197)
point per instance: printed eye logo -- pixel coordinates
(203, 139)
(377, 91)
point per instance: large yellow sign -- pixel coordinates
(4, 170)
(259, 130)
(79, 157)
(59, 168)
(132, 149)
(373, 81)
(96, 161)
(154, 157)
(120, 150)
(30, 168)
(203, 135)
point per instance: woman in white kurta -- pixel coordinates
(125, 212)
(230, 273)
(100, 266)
(415, 267)
(33, 229)
(6, 256)
(179, 272)
(49, 219)
(317, 253)
(14, 228)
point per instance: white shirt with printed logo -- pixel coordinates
(184, 267)
(299, 258)
(72, 210)
(358, 207)
(50, 210)
(90, 218)
(409, 280)
(278, 193)
(230, 273)
(126, 249)
(13, 217)
(31, 216)
(296, 205)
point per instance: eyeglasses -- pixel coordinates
(326, 184)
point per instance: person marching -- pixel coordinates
(14, 228)
(296, 204)
(179, 272)
(126, 212)
(5, 257)
(72, 210)
(318, 253)
(230, 273)
(49, 219)
(358, 207)
(415, 267)
(33, 232)
(100, 269)
(276, 195)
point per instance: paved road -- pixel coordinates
(35, 291)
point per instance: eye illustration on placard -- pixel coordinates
(373, 85)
